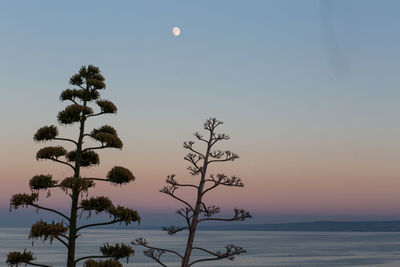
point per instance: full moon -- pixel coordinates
(176, 31)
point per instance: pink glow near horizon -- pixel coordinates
(310, 185)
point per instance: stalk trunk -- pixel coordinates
(72, 230)
(75, 196)
(195, 218)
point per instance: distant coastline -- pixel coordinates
(317, 226)
(329, 226)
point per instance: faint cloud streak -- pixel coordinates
(338, 60)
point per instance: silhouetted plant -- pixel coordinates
(88, 82)
(196, 211)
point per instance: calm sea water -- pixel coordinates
(263, 248)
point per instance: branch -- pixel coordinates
(209, 211)
(194, 171)
(142, 242)
(93, 148)
(229, 156)
(93, 115)
(206, 259)
(205, 250)
(217, 154)
(48, 209)
(169, 190)
(64, 236)
(231, 251)
(219, 137)
(38, 264)
(189, 145)
(116, 252)
(171, 180)
(97, 224)
(185, 214)
(200, 137)
(15, 258)
(62, 162)
(222, 179)
(155, 255)
(216, 183)
(65, 139)
(240, 215)
(171, 230)
(193, 158)
(92, 257)
(211, 124)
(98, 179)
(62, 241)
(73, 101)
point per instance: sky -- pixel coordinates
(307, 90)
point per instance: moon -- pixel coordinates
(176, 31)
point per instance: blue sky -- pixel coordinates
(308, 91)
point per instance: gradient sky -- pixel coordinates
(308, 90)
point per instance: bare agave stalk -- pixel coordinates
(199, 212)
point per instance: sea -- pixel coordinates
(264, 248)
